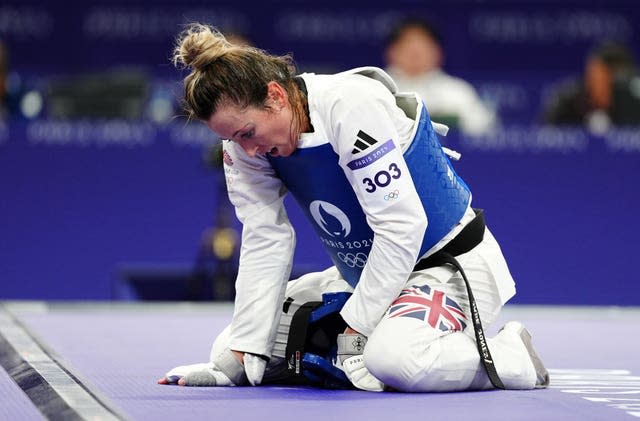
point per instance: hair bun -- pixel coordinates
(198, 46)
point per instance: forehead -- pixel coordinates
(228, 119)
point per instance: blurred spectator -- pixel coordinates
(607, 94)
(414, 58)
(104, 94)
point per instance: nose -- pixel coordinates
(251, 149)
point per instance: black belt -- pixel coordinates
(470, 236)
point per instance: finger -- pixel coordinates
(169, 379)
(176, 373)
(173, 379)
(356, 371)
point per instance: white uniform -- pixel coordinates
(415, 352)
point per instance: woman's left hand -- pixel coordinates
(351, 345)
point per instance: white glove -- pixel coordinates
(233, 373)
(203, 374)
(350, 349)
(250, 371)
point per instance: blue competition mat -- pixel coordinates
(101, 361)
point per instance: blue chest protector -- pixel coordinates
(326, 197)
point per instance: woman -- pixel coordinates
(365, 165)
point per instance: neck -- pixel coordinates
(301, 122)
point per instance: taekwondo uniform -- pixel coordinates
(381, 194)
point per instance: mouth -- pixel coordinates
(273, 151)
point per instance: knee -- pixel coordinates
(395, 354)
(385, 359)
(420, 362)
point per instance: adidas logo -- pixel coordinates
(363, 142)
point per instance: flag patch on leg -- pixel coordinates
(430, 305)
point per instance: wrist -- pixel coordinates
(239, 356)
(350, 331)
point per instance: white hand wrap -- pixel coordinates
(350, 349)
(251, 371)
(225, 371)
(204, 374)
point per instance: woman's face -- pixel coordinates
(259, 131)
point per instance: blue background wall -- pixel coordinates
(78, 200)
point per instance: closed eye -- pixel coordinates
(248, 135)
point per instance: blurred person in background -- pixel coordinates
(353, 152)
(608, 93)
(414, 58)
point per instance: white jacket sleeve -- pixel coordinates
(388, 197)
(266, 254)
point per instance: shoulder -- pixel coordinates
(345, 89)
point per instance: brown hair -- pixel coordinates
(223, 72)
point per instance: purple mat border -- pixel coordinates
(52, 389)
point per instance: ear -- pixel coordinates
(276, 95)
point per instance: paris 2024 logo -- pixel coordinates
(330, 218)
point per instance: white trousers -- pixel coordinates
(425, 342)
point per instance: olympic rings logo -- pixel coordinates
(353, 260)
(392, 195)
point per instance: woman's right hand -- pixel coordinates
(207, 374)
(202, 374)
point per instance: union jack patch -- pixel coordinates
(430, 305)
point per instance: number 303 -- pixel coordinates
(382, 178)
